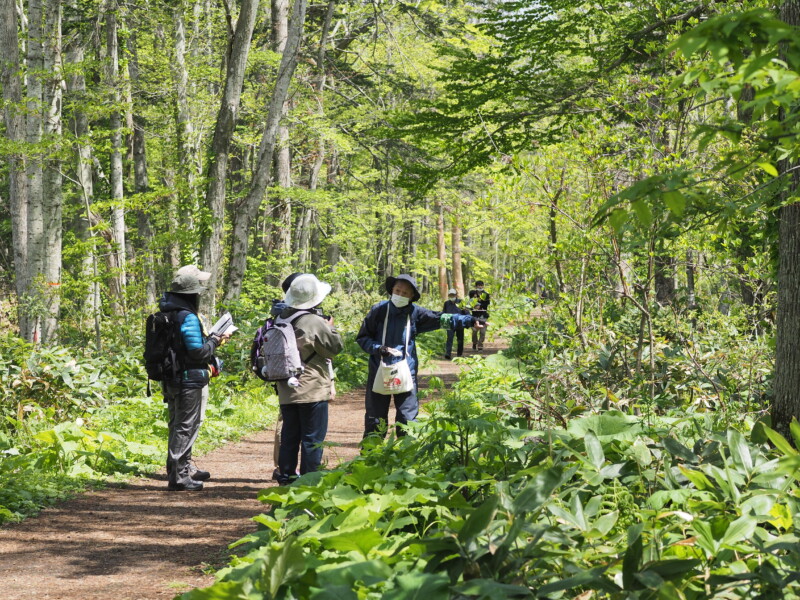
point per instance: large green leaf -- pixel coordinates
(360, 540)
(537, 491)
(608, 426)
(479, 520)
(594, 450)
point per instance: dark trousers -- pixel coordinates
(185, 415)
(448, 348)
(304, 429)
(406, 406)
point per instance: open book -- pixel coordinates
(224, 325)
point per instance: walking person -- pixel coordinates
(388, 335)
(304, 400)
(453, 306)
(479, 303)
(187, 393)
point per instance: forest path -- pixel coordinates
(137, 541)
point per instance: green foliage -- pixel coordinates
(470, 504)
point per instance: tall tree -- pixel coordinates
(11, 83)
(117, 277)
(211, 242)
(246, 209)
(786, 405)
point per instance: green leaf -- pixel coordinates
(421, 586)
(779, 441)
(768, 168)
(632, 559)
(537, 491)
(594, 450)
(479, 520)
(741, 529)
(492, 590)
(678, 450)
(360, 540)
(675, 201)
(740, 453)
(698, 478)
(794, 429)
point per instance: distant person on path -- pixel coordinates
(187, 395)
(453, 306)
(388, 335)
(479, 303)
(304, 406)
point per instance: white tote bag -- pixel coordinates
(396, 377)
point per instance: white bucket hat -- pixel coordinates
(306, 291)
(452, 292)
(194, 270)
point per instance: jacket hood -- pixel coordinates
(174, 301)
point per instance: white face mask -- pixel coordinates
(480, 289)
(452, 297)
(400, 301)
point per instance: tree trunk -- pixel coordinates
(187, 146)
(333, 251)
(458, 278)
(33, 171)
(665, 279)
(691, 297)
(211, 239)
(51, 183)
(117, 276)
(786, 403)
(79, 128)
(441, 251)
(247, 209)
(282, 210)
(141, 181)
(11, 84)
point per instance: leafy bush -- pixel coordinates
(472, 505)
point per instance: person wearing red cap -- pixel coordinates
(388, 335)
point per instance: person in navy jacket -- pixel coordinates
(401, 310)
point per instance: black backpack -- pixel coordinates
(162, 333)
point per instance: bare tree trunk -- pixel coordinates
(786, 403)
(665, 278)
(282, 211)
(11, 84)
(141, 181)
(458, 278)
(117, 276)
(247, 209)
(51, 182)
(211, 239)
(333, 252)
(187, 146)
(33, 171)
(79, 128)
(441, 251)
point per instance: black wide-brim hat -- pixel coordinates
(390, 281)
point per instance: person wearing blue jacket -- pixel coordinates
(398, 313)
(185, 394)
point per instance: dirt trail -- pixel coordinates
(137, 541)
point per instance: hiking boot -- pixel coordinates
(189, 486)
(480, 346)
(448, 357)
(474, 346)
(276, 474)
(198, 474)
